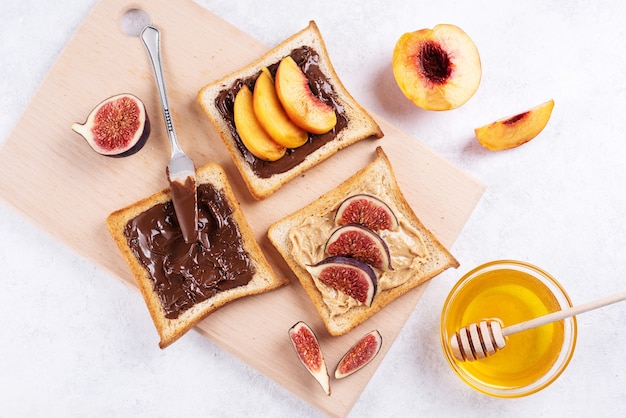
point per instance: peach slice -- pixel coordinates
(437, 69)
(303, 107)
(252, 134)
(513, 131)
(272, 116)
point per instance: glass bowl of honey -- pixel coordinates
(511, 292)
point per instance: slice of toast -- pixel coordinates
(120, 226)
(217, 99)
(310, 226)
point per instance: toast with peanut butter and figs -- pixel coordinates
(183, 283)
(285, 113)
(358, 247)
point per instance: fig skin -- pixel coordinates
(117, 127)
(366, 210)
(360, 242)
(359, 355)
(307, 347)
(364, 270)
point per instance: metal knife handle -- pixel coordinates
(151, 38)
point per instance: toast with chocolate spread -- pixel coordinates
(353, 123)
(183, 283)
(303, 239)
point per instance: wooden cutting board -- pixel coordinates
(68, 190)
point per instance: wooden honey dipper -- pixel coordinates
(482, 339)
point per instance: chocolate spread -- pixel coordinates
(184, 200)
(308, 61)
(185, 274)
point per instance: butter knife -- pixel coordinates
(181, 172)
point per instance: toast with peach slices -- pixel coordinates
(322, 90)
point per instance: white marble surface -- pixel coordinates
(68, 348)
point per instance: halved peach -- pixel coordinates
(513, 131)
(303, 107)
(272, 116)
(437, 69)
(252, 134)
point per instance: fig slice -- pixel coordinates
(362, 243)
(116, 127)
(348, 275)
(366, 210)
(359, 355)
(310, 354)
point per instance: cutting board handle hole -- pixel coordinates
(133, 21)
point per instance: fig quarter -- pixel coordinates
(310, 354)
(359, 355)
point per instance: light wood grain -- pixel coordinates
(68, 190)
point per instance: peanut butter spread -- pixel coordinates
(407, 249)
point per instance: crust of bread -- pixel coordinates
(440, 259)
(170, 330)
(360, 125)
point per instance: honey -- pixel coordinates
(511, 295)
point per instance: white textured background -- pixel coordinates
(68, 348)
